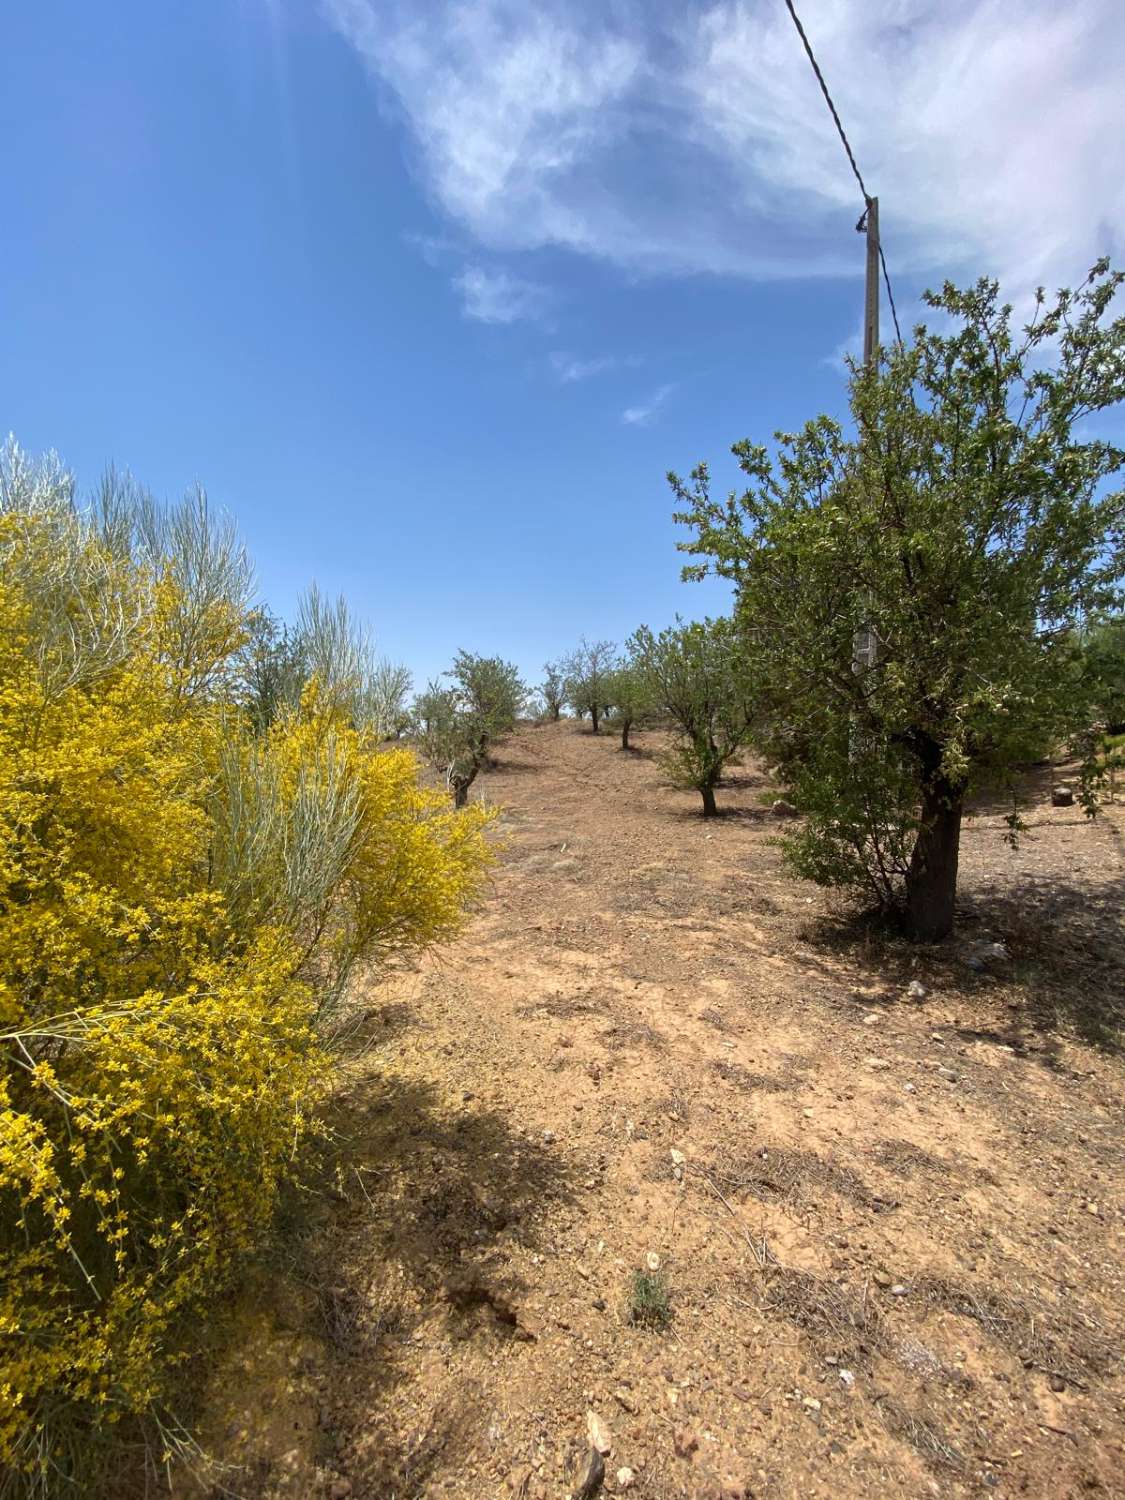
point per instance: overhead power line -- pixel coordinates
(850, 153)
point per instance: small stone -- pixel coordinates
(625, 1478)
(915, 990)
(872, 1018)
(783, 809)
(847, 1379)
(949, 1074)
(1062, 795)
(598, 1433)
(1056, 1382)
(548, 1136)
(685, 1442)
(593, 1477)
(340, 1488)
(878, 1064)
(811, 1403)
(898, 1290)
(625, 1399)
(1092, 1208)
(652, 1261)
(909, 1088)
(808, 1113)
(880, 1278)
(598, 1304)
(678, 1157)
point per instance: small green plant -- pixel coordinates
(649, 1303)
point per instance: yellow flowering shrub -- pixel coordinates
(179, 901)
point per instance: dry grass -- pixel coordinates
(732, 1072)
(776, 1175)
(1058, 1341)
(923, 1432)
(844, 1323)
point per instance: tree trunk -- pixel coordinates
(460, 793)
(594, 717)
(710, 810)
(931, 881)
(625, 728)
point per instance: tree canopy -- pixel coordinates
(907, 589)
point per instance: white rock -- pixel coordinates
(916, 990)
(847, 1378)
(652, 1261)
(625, 1479)
(678, 1157)
(598, 1433)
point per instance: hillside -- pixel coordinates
(880, 1183)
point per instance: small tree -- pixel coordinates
(553, 690)
(907, 593)
(387, 691)
(269, 672)
(630, 694)
(693, 673)
(1103, 654)
(587, 673)
(458, 725)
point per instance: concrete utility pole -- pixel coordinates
(865, 645)
(871, 290)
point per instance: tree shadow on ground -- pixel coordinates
(431, 1192)
(1066, 943)
(400, 1236)
(504, 765)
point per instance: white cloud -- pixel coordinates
(642, 415)
(569, 368)
(672, 138)
(497, 297)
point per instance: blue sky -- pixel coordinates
(431, 296)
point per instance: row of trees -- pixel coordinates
(688, 677)
(922, 603)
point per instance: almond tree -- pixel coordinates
(958, 531)
(458, 725)
(587, 672)
(693, 673)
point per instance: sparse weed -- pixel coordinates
(650, 1305)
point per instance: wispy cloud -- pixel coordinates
(646, 411)
(677, 138)
(569, 368)
(497, 297)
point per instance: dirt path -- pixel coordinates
(889, 1226)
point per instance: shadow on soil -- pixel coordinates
(1067, 964)
(425, 1191)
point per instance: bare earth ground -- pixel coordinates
(891, 1228)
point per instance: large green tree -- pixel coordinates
(907, 589)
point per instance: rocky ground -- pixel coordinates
(877, 1185)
